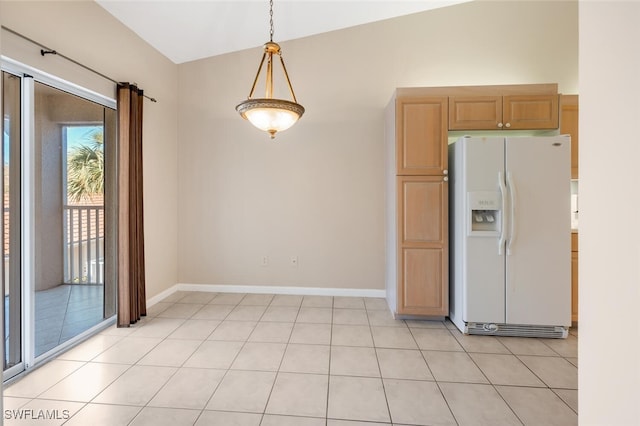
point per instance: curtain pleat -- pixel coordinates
(131, 267)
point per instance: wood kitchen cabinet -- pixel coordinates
(417, 205)
(569, 126)
(503, 112)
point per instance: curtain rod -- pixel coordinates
(44, 50)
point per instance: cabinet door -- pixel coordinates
(475, 112)
(423, 281)
(569, 126)
(421, 135)
(530, 112)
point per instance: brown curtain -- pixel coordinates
(131, 282)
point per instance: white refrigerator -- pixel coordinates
(510, 235)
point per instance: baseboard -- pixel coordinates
(302, 291)
(161, 296)
(260, 289)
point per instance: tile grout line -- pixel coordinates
(232, 361)
(375, 351)
(326, 417)
(434, 377)
(562, 399)
(507, 403)
(275, 379)
(184, 362)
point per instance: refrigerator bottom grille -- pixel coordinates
(517, 330)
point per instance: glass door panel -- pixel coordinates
(11, 224)
(69, 216)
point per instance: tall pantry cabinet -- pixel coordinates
(417, 205)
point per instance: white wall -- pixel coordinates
(609, 344)
(85, 32)
(317, 191)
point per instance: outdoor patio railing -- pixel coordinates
(83, 233)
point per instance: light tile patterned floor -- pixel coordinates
(235, 359)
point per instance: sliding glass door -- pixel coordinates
(59, 180)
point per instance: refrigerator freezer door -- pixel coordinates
(483, 264)
(538, 264)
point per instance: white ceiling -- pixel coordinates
(186, 30)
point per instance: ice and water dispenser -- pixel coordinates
(484, 213)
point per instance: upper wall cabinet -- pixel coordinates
(421, 132)
(508, 112)
(530, 111)
(475, 112)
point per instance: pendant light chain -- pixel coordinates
(270, 20)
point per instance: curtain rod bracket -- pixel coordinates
(48, 52)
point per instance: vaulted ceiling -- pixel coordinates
(187, 30)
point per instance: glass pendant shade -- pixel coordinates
(270, 115)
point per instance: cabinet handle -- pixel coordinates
(508, 125)
(500, 125)
(446, 178)
(445, 172)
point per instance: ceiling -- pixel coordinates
(186, 30)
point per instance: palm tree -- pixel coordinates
(85, 168)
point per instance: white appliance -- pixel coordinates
(510, 235)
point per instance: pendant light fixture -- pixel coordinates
(270, 114)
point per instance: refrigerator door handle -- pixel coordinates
(503, 222)
(512, 216)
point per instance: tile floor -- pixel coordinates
(236, 359)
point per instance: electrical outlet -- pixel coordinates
(294, 261)
(265, 260)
